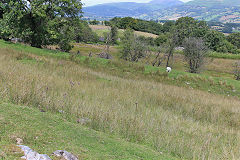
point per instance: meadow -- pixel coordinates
(101, 29)
(183, 115)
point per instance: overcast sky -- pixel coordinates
(94, 2)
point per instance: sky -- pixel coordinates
(94, 2)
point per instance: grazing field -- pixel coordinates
(141, 104)
(101, 29)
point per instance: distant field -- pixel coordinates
(100, 29)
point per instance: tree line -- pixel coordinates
(186, 27)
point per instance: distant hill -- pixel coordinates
(209, 10)
(211, 3)
(124, 9)
(226, 11)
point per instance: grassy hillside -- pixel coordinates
(46, 132)
(186, 115)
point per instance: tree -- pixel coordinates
(114, 34)
(41, 22)
(187, 27)
(237, 70)
(83, 33)
(195, 52)
(94, 22)
(167, 26)
(127, 22)
(217, 41)
(146, 40)
(234, 38)
(132, 49)
(172, 43)
(107, 23)
(161, 39)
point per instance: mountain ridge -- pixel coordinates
(123, 9)
(226, 11)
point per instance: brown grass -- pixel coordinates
(187, 123)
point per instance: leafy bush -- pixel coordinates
(234, 38)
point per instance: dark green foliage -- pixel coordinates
(107, 23)
(40, 23)
(138, 25)
(83, 33)
(234, 38)
(167, 26)
(124, 23)
(94, 22)
(161, 39)
(186, 27)
(195, 52)
(146, 40)
(217, 41)
(1, 13)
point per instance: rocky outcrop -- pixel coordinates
(65, 154)
(30, 154)
(105, 55)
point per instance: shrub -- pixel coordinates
(195, 52)
(237, 70)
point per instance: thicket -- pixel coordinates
(234, 38)
(137, 25)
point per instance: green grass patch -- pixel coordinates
(46, 132)
(224, 55)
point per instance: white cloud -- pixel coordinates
(94, 2)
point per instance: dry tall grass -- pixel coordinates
(187, 123)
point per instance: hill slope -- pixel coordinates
(47, 132)
(211, 3)
(209, 10)
(130, 100)
(124, 9)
